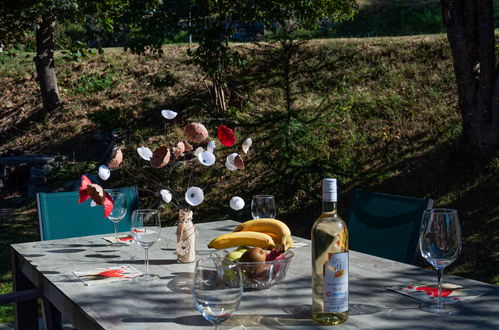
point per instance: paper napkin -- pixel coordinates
(427, 292)
(124, 239)
(107, 275)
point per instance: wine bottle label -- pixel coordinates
(336, 283)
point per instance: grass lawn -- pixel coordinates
(378, 113)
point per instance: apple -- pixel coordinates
(274, 255)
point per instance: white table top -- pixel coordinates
(167, 303)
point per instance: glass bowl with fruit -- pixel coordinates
(260, 268)
(261, 247)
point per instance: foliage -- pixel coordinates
(78, 51)
(212, 23)
(91, 83)
(20, 18)
(41, 17)
(392, 19)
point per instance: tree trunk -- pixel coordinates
(470, 31)
(44, 61)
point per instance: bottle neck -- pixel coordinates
(329, 206)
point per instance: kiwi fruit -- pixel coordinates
(261, 272)
(255, 254)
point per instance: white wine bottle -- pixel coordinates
(329, 261)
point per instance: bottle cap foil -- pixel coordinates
(329, 190)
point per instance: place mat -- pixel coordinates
(124, 239)
(106, 275)
(427, 292)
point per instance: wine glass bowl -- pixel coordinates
(118, 212)
(146, 228)
(440, 245)
(263, 206)
(217, 289)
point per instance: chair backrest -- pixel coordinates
(60, 215)
(386, 225)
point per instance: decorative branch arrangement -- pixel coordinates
(192, 154)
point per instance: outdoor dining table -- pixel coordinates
(167, 303)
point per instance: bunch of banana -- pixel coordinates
(249, 238)
(263, 233)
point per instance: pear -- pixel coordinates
(235, 255)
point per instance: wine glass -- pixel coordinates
(440, 244)
(263, 206)
(217, 289)
(118, 213)
(146, 227)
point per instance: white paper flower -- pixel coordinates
(206, 158)
(92, 203)
(104, 172)
(229, 163)
(247, 144)
(194, 196)
(166, 195)
(211, 146)
(145, 153)
(198, 151)
(236, 203)
(168, 114)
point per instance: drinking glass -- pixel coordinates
(146, 227)
(118, 213)
(440, 244)
(263, 206)
(217, 289)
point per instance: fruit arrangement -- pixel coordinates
(263, 233)
(261, 249)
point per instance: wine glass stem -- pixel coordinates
(147, 260)
(218, 327)
(116, 232)
(440, 273)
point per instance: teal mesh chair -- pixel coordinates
(386, 225)
(60, 215)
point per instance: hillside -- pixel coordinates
(378, 113)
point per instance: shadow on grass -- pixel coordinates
(440, 171)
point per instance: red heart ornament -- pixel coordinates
(226, 136)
